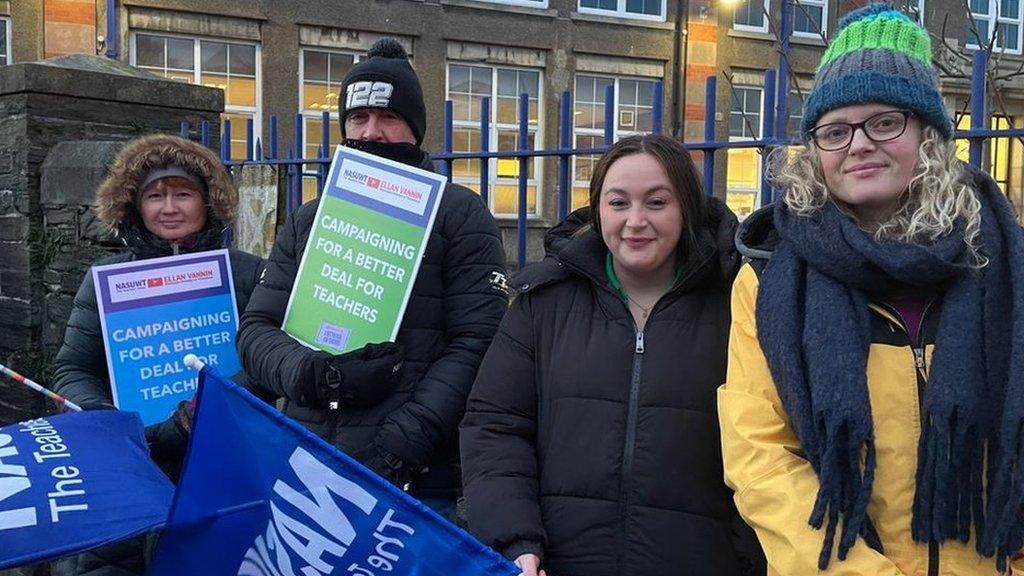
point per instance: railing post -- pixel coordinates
(183, 130)
(225, 140)
(524, 129)
(979, 118)
(250, 139)
(659, 96)
(112, 30)
(565, 142)
(446, 164)
(710, 88)
(325, 131)
(609, 115)
(273, 137)
(767, 124)
(204, 133)
(485, 143)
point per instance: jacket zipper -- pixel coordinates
(628, 448)
(922, 380)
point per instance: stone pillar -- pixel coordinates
(44, 243)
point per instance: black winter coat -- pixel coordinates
(597, 446)
(456, 304)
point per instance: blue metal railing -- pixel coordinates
(298, 167)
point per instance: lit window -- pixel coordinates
(322, 73)
(646, 9)
(231, 66)
(634, 114)
(999, 17)
(809, 17)
(468, 85)
(998, 149)
(5, 41)
(743, 172)
(751, 16)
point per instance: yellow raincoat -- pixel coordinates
(774, 484)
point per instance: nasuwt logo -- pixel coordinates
(130, 286)
(381, 184)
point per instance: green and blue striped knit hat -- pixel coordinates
(879, 55)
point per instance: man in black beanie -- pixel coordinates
(395, 407)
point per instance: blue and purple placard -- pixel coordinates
(363, 252)
(156, 311)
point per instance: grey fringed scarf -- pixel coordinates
(813, 325)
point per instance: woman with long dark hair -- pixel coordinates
(590, 445)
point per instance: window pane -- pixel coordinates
(149, 51)
(645, 93)
(480, 80)
(506, 199)
(508, 111)
(627, 92)
(1008, 36)
(243, 59)
(1009, 8)
(340, 65)
(466, 140)
(215, 57)
(977, 32)
(458, 78)
(241, 92)
(180, 54)
(808, 19)
(979, 6)
(507, 83)
(750, 13)
(460, 107)
(238, 131)
(600, 4)
(314, 66)
(649, 7)
(529, 82)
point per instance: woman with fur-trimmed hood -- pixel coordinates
(165, 195)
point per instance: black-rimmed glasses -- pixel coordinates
(881, 127)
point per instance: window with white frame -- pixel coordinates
(234, 67)
(321, 72)
(645, 9)
(998, 19)
(810, 17)
(467, 86)
(634, 114)
(5, 41)
(743, 173)
(751, 16)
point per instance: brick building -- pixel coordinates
(287, 59)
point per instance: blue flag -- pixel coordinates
(260, 495)
(76, 481)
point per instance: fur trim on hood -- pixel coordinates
(139, 156)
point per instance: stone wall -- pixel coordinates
(46, 242)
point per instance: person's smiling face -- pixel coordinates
(867, 176)
(641, 216)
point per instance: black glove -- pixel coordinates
(168, 440)
(360, 378)
(385, 464)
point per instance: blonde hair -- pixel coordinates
(935, 201)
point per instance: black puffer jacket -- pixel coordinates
(456, 304)
(595, 446)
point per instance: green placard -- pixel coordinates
(363, 252)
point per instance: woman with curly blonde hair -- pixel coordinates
(875, 386)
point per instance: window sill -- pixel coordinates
(808, 40)
(748, 35)
(486, 5)
(621, 20)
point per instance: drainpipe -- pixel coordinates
(112, 32)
